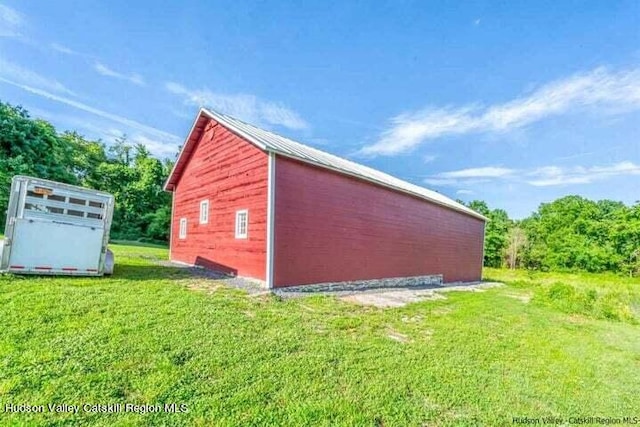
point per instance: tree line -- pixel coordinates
(128, 171)
(571, 233)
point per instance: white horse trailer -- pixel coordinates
(57, 229)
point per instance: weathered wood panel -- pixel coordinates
(232, 174)
(330, 227)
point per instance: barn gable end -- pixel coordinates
(230, 175)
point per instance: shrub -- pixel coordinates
(611, 305)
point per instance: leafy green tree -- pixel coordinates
(135, 178)
(130, 173)
(30, 147)
(573, 233)
(625, 236)
(517, 240)
(86, 156)
(159, 223)
(495, 234)
(120, 151)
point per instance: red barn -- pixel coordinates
(258, 205)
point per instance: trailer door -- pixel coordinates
(58, 231)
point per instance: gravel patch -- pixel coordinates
(395, 297)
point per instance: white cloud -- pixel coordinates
(63, 49)
(429, 158)
(154, 137)
(157, 148)
(11, 22)
(454, 182)
(612, 92)
(15, 72)
(243, 106)
(484, 172)
(464, 192)
(278, 114)
(554, 175)
(134, 78)
(538, 177)
(468, 176)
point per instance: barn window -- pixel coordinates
(242, 220)
(204, 212)
(183, 228)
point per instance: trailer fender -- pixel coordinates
(109, 262)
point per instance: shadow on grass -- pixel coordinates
(149, 272)
(166, 271)
(129, 272)
(158, 270)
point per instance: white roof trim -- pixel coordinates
(181, 153)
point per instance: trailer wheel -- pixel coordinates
(109, 262)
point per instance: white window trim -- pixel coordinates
(204, 219)
(182, 231)
(239, 234)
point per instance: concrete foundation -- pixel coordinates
(393, 282)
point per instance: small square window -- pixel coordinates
(242, 224)
(204, 212)
(182, 234)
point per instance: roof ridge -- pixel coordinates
(306, 146)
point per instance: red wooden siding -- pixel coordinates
(232, 174)
(330, 227)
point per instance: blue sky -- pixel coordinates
(516, 103)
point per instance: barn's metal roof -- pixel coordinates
(271, 142)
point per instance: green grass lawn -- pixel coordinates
(542, 345)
